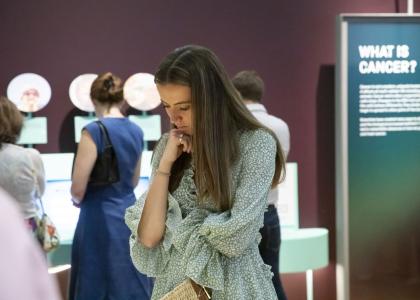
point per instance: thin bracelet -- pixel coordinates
(159, 172)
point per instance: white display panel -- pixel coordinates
(288, 205)
(58, 205)
(57, 198)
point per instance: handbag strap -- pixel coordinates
(104, 133)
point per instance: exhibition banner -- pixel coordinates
(382, 153)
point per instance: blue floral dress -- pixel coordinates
(217, 250)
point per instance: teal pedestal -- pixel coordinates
(79, 123)
(61, 255)
(34, 131)
(150, 124)
(303, 250)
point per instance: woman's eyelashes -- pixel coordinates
(181, 108)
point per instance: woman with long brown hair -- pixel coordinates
(212, 172)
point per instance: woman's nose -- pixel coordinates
(174, 116)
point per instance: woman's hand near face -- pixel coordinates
(151, 228)
(178, 142)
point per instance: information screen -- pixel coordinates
(59, 207)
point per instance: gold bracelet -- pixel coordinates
(159, 172)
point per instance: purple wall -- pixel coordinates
(290, 43)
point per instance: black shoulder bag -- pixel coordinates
(105, 171)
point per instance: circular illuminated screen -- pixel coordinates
(29, 91)
(140, 92)
(79, 92)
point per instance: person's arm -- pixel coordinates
(152, 223)
(83, 165)
(136, 174)
(283, 134)
(38, 169)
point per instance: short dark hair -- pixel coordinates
(249, 84)
(11, 121)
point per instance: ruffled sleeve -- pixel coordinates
(208, 240)
(152, 261)
(205, 243)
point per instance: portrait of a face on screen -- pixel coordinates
(29, 92)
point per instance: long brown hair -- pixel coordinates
(218, 115)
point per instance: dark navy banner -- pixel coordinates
(384, 157)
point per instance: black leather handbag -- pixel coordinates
(105, 171)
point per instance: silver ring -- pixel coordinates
(181, 135)
(180, 140)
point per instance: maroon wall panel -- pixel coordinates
(290, 43)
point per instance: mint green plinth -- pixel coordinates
(150, 124)
(61, 255)
(303, 249)
(79, 123)
(34, 131)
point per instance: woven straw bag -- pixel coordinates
(187, 290)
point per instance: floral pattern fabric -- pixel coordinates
(217, 250)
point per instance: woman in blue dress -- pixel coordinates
(101, 264)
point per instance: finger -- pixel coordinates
(186, 145)
(177, 132)
(181, 143)
(174, 132)
(189, 146)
